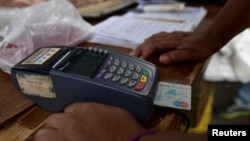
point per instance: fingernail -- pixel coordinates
(164, 60)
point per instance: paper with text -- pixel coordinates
(134, 30)
(131, 29)
(191, 15)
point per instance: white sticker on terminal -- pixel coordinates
(39, 85)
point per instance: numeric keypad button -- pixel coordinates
(108, 75)
(116, 78)
(127, 73)
(124, 81)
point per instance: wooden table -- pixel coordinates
(21, 117)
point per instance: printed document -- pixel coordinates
(131, 29)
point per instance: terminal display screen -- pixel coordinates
(87, 65)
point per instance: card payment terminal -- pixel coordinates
(56, 76)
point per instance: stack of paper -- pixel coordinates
(133, 28)
(160, 5)
(151, 2)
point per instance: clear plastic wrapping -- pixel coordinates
(56, 22)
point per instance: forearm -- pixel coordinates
(232, 19)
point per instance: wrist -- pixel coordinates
(215, 41)
(138, 136)
(126, 134)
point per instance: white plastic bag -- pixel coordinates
(56, 22)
